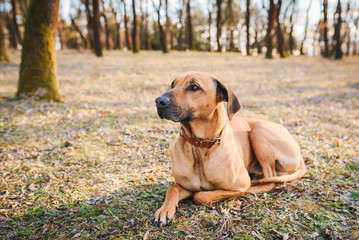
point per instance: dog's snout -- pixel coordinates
(163, 101)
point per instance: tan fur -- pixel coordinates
(245, 142)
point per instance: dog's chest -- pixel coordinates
(195, 173)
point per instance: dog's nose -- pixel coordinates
(163, 101)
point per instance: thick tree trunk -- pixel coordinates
(77, 29)
(4, 57)
(280, 38)
(96, 28)
(271, 17)
(127, 34)
(189, 26)
(305, 28)
(38, 72)
(135, 48)
(14, 22)
(325, 25)
(219, 24)
(248, 3)
(337, 27)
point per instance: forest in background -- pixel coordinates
(249, 27)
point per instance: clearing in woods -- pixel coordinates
(98, 165)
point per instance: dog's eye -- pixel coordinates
(194, 87)
(173, 84)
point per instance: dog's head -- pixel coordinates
(195, 95)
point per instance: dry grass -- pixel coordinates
(98, 166)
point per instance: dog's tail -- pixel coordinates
(285, 178)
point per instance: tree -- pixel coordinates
(219, 24)
(117, 44)
(180, 31)
(305, 28)
(38, 71)
(280, 38)
(248, 3)
(96, 28)
(162, 34)
(325, 26)
(135, 48)
(14, 22)
(127, 35)
(4, 57)
(209, 48)
(107, 30)
(89, 24)
(337, 27)
(291, 40)
(189, 27)
(230, 25)
(270, 25)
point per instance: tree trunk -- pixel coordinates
(4, 57)
(248, 3)
(163, 42)
(291, 21)
(147, 34)
(219, 24)
(337, 27)
(135, 48)
(127, 34)
(189, 26)
(89, 24)
(117, 44)
(107, 30)
(280, 39)
(77, 29)
(271, 17)
(38, 71)
(61, 34)
(96, 29)
(325, 25)
(209, 47)
(305, 28)
(180, 34)
(14, 22)
(230, 26)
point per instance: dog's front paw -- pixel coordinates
(203, 197)
(164, 216)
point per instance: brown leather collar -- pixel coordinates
(207, 143)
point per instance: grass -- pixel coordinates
(98, 165)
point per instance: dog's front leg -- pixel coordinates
(208, 197)
(165, 214)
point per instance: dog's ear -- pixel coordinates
(226, 95)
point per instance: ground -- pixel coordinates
(98, 165)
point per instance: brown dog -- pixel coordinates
(215, 153)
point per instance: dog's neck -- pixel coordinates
(209, 127)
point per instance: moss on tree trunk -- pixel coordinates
(38, 71)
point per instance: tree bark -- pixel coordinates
(180, 34)
(107, 30)
(305, 28)
(96, 29)
(163, 42)
(230, 25)
(127, 34)
(189, 26)
(291, 22)
(219, 24)
(325, 25)
(117, 44)
(337, 27)
(77, 29)
(10, 29)
(135, 48)
(271, 17)
(248, 3)
(4, 57)
(89, 24)
(280, 38)
(14, 22)
(209, 47)
(38, 71)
